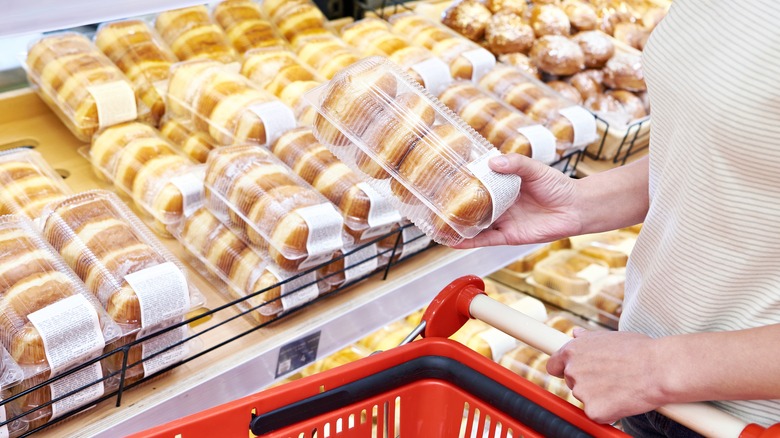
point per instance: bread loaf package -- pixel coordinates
(282, 74)
(225, 105)
(262, 199)
(134, 47)
(245, 25)
(80, 84)
(326, 53)
(28, 183)
(142, 286)
(195, 145)
(49, 322)
(191, 34)
(242, 268)
(367, 214)
(412, 149)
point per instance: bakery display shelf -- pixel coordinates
(619, 143)
(589, 166)
(234, 358)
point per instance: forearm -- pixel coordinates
(614, 199)
(738, 365)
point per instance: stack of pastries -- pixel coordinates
(296, 19)
(326, 53)
(141, 57)
(28, 183)
(245, 26)
(191, 34)
(373, 36)
(83, 87)
(262, 199)
(193, 144)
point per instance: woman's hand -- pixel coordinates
(544, 211)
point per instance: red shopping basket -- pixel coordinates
(429, 388)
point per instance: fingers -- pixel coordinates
(488, 237)
(527, 168)
(557, 362)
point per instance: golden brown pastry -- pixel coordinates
(512, 87)
(245, 26)
(521, 61)
(581, 14)
(506, 32)
(191, 34)
(515, 6)
(297, 18)
(570, 273)
(624, 71)
(631, 103)
(195, 145)
(596, 46)
(467, 17)
(29, 184)
(451, 51)
(568, 91)
(604, 103)
(527, 263)
(631, 33)
(549, 20)
(557, 55)
(586, 84)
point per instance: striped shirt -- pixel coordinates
(708, 257)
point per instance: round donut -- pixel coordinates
(549, 20)
(557, 55)
(467, 17)
(596, 46)
(506, 32)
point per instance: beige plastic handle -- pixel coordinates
(702, 418)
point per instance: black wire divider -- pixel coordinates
(635, 139)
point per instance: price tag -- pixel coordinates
(297, 354)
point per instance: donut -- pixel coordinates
(568, 91)
(467, 17)
(522, 62)
(632, 104)
(514, 6)
(586, 85)
(549, 20)
(624, 71)
(582, 15)
(632, 34)
(596, 47)
(506, 32)
(557, 55)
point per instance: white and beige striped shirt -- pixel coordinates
(708, 258)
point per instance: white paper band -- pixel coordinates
(353, 268)
(503, 189)
(583, 124)
(499, 342)
(543, 142)
(77, 380)
(325, 225)
(115, 103)
(190, 185)
(4, 429)
(380, 211)
(434, 73)
(482, 61)
(70, 331)
(410, 246)
(306, 286)
(161, 342)
(162, 293)
(277, 119)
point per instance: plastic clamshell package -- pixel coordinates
(412, 149)
(191, 34)
(225, 105)
(373, 37)
(29, 183)
(193, 144)
(10, 375)
(245, 25)
(242, 268)
(326, 53)
(367, 214)
(296, 18)
(80, 84)
(349, 264)
(259, 197)
(141, 55)
(409, 240)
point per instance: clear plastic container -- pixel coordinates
(245, 25)
(259, 197)
(373, 37)
(409, 238)
(296, 18)
(134, 47)
(525, 265)
(366, 213)
(29, 183)
(350, 264)
(10, 375)
(326, 53)
(282, 74)
(242, 268)
(191, 34)
(80, 84)
(195, 145)
(411, 148)
(225, 105)
(504, 127)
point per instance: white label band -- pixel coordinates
(499, 342)
(159, 343)
(277, 119)
(413, 240)
(77, 380)
(115, 103)
(162, 293)
(583, 123)
(353, 268)
(481, 61)
(503, 189)
(380, 211)
(434, 73)
(70, 330)
(324, 224)
(190, 185)
(543, 142)
(306, 286)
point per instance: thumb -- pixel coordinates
(528, 169)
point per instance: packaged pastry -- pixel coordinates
(260, 198)
(504, 127)
(403, 241)
(568, 91)
(350, 264)
(80, 84)
(191, 34)
(531, 364)
(326, 53)
(557, 55)
(507, 32)
(243, 269)
(525, 265)
(613, 248)
(282, 74)
(245, 26)
(412, 149)
(296, 18)
(139, 282)
(366, 213)
(424, 67)
(195, 145)
(28, 183)
(467, 17)
(569, 123)
(225, 105)
(522, 62)
(142, 57)
(344, 356)
(10, 375)
(372, 36)
(549, 20)
(49, 322)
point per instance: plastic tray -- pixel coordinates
(243, 269)
(195, 145)
(326, 53)
(412, 149)
(29, 183)
(366, 213)
(136, 49)
(191, 34)
(245, 25)
(80, 84)
(258, 196)
(225, 105)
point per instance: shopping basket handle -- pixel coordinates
(465, 298)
